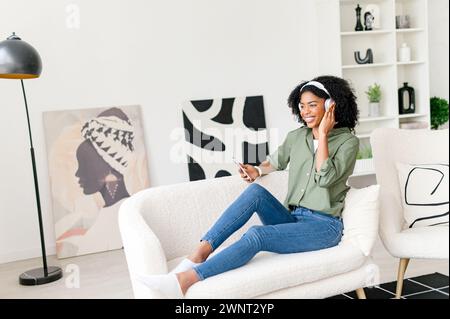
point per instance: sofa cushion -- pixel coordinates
(360, 216)
(421, 242)
(268, 272)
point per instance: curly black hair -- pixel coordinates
(346, 111)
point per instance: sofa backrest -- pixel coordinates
(180, 214)
(404, 146)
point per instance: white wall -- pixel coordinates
(439, 51)
(156, 54)
(438, 38)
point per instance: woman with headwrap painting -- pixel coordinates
(103, 158)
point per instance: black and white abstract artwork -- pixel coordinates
(217, 130)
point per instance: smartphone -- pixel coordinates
(241, 167)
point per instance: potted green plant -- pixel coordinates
(374, 96)
(364, 153)
(439, 112)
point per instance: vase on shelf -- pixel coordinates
(359, 26)
(368, 59)
(404, 54)
(402, 22)
(406, 99)
(374, 109)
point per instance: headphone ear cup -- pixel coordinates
(327, 104)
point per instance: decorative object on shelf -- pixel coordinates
(374, 11)
(414, 125)
(96, 160)
(359, 26)
(404, 53)
(19, 60)
(439, 112)
(368, 59)
(406, 99)
(374, 96)
(214, 128)
(368, 21)
(364, 153)
(402, 22)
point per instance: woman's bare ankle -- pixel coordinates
(202, 253)
(187, 279)
(195, 259)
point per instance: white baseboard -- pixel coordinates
(7, 257)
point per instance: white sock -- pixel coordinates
(185, 265)
(167, 285)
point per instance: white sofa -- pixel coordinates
(161, 225)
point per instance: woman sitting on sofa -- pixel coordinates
(322, 155)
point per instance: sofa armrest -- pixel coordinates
(143, 250)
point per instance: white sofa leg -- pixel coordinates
(401, 275)
(360, 293)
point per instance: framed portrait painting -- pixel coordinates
(96, 160)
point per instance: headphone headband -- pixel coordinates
(317, 85)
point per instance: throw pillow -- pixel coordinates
(424, 190)
(360, 216)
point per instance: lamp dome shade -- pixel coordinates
(18, 59)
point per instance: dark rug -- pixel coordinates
(432, 286)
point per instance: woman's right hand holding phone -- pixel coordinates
(250, 174)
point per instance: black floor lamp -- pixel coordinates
(19, 60)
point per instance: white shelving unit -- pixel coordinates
(386, 69)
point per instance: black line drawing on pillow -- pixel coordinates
(432, 193)
(410, 181)
(430, 217)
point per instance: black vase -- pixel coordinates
(359, 26)
(406, 99)
(368, 59)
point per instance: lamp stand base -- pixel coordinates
(37, 276)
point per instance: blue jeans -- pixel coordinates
(282, 232)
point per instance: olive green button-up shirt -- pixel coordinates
(322, 190)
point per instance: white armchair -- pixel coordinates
(161, 225)
(391, 146)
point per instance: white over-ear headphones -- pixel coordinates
(320, 86)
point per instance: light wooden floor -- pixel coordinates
(105, 275)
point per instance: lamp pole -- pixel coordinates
(36, 185)
(19, 60)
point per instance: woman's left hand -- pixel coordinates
(327, 123)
